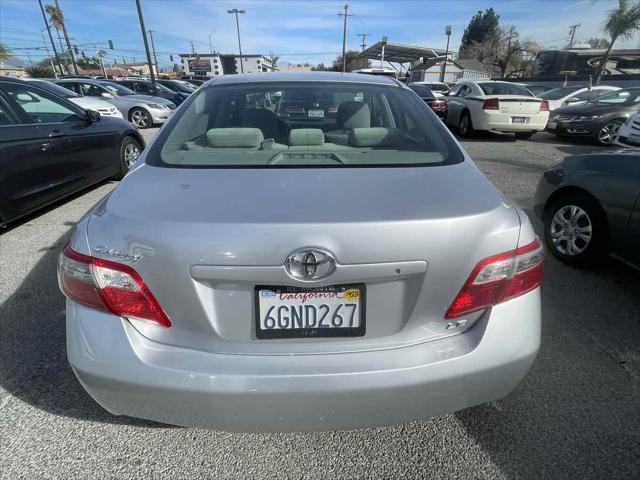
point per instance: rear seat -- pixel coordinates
(310, 139)
(233, 139)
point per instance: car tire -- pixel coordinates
(524, 135)
(140, 118)
(130, 150)
(465, 127)
(575, 229)
(607, 132)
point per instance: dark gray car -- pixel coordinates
(590, 205)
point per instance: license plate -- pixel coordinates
(293, 312)
(315, 113)
(519, 119)
(552, 125)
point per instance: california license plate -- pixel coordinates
(552, 124)
(290, 312)
(315, 113)
(519, 119)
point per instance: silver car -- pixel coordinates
(345, 268)
(144, 111)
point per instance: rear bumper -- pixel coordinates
(502, 122)
(129, 374)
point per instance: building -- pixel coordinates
(13, 67)
(138, 68)
(294, 67)
(458, 69)
(214, 64)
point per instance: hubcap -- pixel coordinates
(571, 230)
(131, 154)
(464, 124)
(140, 118)
(607, 134)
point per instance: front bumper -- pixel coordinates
(570, 129)
(128, 374)
(160, 116)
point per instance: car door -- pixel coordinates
(453, 105)
(70, 152)
(631, 244)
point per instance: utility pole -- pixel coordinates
(46, 24)
(153, 47)
(344, 35)
(572, 32)
(66, 38)
(213, 32)
(363, 36)
(447, 32)
(44, 40)
(236, 12)
(146, 47)
(193, 48)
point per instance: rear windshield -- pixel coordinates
(421, 90)
(558, 93)
(504, 89)
(437, 87)
(303, 124)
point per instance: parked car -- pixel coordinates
(51, 148)
(562, 97)
(590, 205)
(198, 82)
(105, 109)
(598, 119)
(144, 111)
(276, 311)
(437, 104)
(495, 106)
(439, 89)
(145, 87)
(629, 132)
(178, 86)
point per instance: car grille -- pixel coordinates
(108, 112)
(635, 125)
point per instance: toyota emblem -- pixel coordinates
(310, 264)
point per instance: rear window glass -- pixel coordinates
(504, 89)
(422, 90)
(558, 93)
(438, 87)
(303, 124)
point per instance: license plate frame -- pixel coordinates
(267, 334)
(315, 113)
(519, 120)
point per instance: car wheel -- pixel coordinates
(575, 229)
(140, 118)
(465, 127)
(130, 150)
(607, 133)
(524, 135)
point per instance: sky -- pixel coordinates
(297, 31)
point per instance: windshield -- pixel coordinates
(117, 89)
(495, 88)
(181, 87)
(558, 93)
(620, 97)
(56, 89)
(304, 124)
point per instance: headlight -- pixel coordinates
(584, 118)
(171, 106)
(154, 105)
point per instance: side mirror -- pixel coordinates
(572, 100)
(92, 116)
(106, 95)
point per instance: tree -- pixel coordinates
(5, 53)
(319, 68)
(622, 21)
(483, 25)
(274, 60)
(597, 42)
(354, 61)
(38, 71)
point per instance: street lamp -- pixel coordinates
(236, 12)
(447, 32)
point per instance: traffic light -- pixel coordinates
(75, 49)
(83, 55)
(171, 58)
(110, 45)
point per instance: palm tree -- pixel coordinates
(622, 21)
(38, 71)
(5, 53)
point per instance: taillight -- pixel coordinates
(499, 278)
(491, 104)
(437, 104)
(544, 106)
(108, 286)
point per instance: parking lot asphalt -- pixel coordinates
(576, 415)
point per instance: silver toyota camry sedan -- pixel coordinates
(301, 252)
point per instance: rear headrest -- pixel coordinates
(234, 137)
(353, 115)
(375, 137)
(306, 136)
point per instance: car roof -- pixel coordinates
(278, 77)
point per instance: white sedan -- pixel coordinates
(629, 132)
(562, 97)
(495, 106)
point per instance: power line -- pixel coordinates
(572, 32)
(363, 36)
